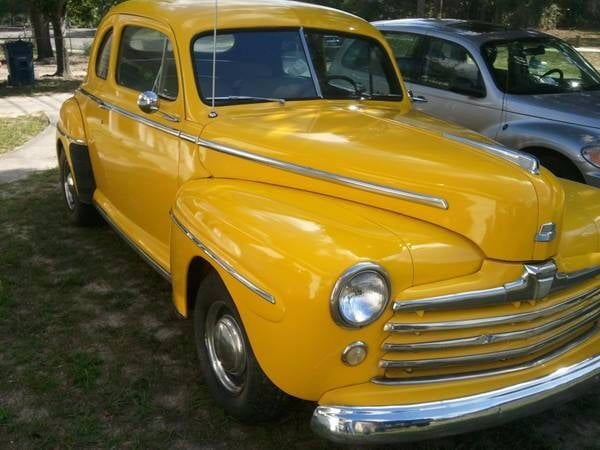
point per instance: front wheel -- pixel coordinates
(227, 361)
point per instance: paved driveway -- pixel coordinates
(39, 153)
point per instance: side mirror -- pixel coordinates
(148, 102)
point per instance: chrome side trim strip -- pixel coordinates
(221, 262)
(479, 358)
(145, 256)
(593, 295)
(536, 283)
(579, 318)
(544, 359)
(524, 160)
(408, 422)
(327, 176)
(68, 137)
(283, 165)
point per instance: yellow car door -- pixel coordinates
(139, 154)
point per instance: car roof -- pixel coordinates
(198, 15)
(468, 30)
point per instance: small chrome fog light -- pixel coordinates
(354, 353)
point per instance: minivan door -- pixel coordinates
(449, 85)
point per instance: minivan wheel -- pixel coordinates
(227, 362)
(558, 164)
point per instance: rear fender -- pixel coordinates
(71, 138)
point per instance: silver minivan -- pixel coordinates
(525, 89)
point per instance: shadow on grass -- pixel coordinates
(93, 356)
(43, 85)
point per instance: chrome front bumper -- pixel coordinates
(401, 423)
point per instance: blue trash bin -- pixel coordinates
(19, 58)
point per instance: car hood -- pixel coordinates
(491, 201)
(578, 108)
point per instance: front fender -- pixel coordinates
(294, 245)
(561, 137)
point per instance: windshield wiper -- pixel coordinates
(247, 97)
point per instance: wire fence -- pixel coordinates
(77, 40)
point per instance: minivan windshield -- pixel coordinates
(292, 64)
(539, 66)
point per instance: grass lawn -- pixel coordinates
(92, 354)
(15, 131)
(41, 86)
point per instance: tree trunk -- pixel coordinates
(57, 19)
(441, 10)
(421, 8)
(41, 31)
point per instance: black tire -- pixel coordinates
(257, 399)
(80, 214)
(559, 165)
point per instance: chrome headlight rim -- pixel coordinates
(344, 279)
(585, 153)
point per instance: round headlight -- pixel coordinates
(360, 295)
(592, 154)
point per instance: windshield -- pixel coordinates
(273, 65)
(539, 66)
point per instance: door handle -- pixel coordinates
(417, 98)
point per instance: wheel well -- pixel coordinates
(570, 170)
(59, 148)
(198, 269)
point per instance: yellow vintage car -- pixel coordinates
(331, 243)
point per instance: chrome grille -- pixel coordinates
(418, 350)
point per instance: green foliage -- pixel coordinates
(87, 13)
(545, 14)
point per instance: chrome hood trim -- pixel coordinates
(537, 281)
(526, 161)
(410, 196)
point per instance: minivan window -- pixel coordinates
(406, 48)
(147, 62)
(539, 66)
(103, 55)
(450, 66)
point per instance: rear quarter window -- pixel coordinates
(103, 55)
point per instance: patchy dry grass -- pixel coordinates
(15, 131)
(93, 356)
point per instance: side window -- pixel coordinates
(103, 55)
(358, 57)
(147, 63)
(449, 66)
(406, 47)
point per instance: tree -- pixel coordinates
(41, 32)
(56, 12)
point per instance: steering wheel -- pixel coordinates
(551, 71)
(344, 78)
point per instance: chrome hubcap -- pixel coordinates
(69, 188)
(226, 348)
